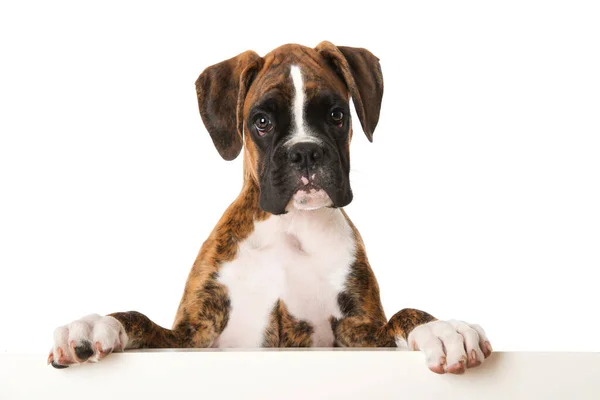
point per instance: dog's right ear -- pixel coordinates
(221, 91)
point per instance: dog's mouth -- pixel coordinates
(310, 196)
(298, 191)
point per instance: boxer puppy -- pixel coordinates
(285, 266)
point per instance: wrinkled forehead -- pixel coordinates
(288, 67)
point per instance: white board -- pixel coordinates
(299, 374)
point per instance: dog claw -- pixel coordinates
(458, 368)
(473, 361)
(487, 349)
(58, 366)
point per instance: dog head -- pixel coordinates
(291, 110)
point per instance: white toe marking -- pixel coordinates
(453, 341)
(61, 339)
(482, 336)
(106, 332)
(471, 338)
(423, 338)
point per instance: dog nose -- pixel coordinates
(305, 154)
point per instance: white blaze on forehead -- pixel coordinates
(301, 132)
(298, 105)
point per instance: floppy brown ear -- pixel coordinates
(361, 71)
(221, 91)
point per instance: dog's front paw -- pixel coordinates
(88, 339)
(450, 346)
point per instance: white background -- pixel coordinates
(478, 200)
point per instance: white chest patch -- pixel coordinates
(301, 258)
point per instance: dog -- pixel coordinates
(284, 266)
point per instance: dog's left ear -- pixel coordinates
(361, 72)
(221, 91)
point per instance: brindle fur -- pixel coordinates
(284, 330)
(364, 323)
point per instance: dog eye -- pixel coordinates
(263, 125)
(337, 116)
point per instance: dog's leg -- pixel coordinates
(203, 311)
(201, 318)
(143, 333)
(93, 337)
(449, 346)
